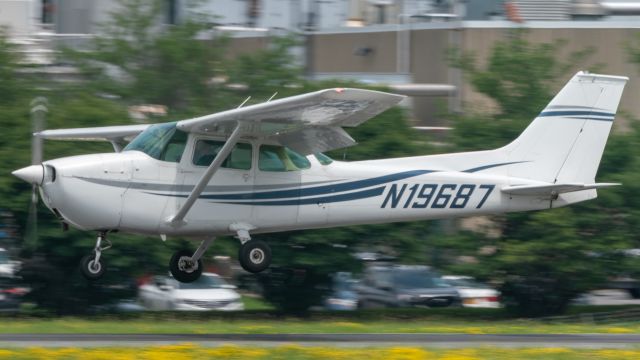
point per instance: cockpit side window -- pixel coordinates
(280, 158)
(162, 142)
(207, 150)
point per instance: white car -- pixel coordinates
(474, 294)
(8, 268)
(209, 292)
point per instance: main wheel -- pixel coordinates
(92, 269)
(255, 256)
(183, 269)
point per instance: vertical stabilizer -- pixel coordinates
(564, 144)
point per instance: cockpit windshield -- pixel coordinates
(162, 141)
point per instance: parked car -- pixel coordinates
(8, 267)
(343, 295)
(209, 292)
(473, 293)
(405, 285)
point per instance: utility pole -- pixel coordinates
(39, 111)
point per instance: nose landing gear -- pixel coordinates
(92, 266)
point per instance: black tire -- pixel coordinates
(181, 275)
(255, 256)
(90, 270)
(634, 292)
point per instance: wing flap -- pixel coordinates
(316, 139)
(551, 189)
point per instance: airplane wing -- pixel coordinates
(104, 133)
(307, 123)
(118, 136)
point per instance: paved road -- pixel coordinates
(343, 340)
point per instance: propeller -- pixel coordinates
(34, 175)
(31, 233)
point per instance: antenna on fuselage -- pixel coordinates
(272, 96)
(244, 102)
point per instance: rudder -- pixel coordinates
(565, 143)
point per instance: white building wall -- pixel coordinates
(19, 16)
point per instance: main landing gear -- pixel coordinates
(185, 266)
(92, 266)
(254, 257)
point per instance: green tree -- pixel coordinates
(170, 66)
(268, 70)
(519, 78)
(14, 115)
(542, 260)
(142, 60)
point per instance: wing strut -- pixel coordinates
(204, 180)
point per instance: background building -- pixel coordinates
(400, 43)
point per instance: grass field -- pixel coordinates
(461, 320)
(299, 325)
(190, 351)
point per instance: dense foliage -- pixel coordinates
(543, 260)
(138, 60)
(540, 260)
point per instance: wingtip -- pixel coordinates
(594, 76)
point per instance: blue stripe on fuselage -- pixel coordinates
(484, 167)
(311, 191)
(356, 195)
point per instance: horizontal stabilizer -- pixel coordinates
(552, 189)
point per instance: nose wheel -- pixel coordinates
(92, 266)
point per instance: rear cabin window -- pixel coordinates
(280, 158)
(206, 151)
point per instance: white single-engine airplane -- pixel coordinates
(260, 169)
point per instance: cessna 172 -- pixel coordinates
(260, 168)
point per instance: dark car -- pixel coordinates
(11, 294)
(405, 286)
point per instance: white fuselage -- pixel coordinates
(133, 192)
(259, 184)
